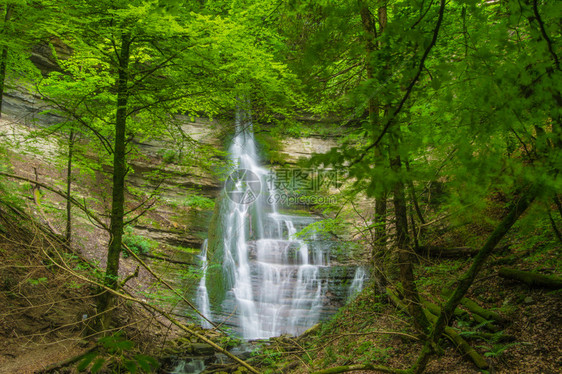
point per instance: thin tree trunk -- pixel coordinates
(416, 234)
(69, 186)
(119, 173)
(4, 57)
(379, 247)
(558, 204)
(414, 231)
(380, 160)
(555, 228)
(412, 298)
(413, 195)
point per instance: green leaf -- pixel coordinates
(124, 345)
(86, 360)
(146, 363)
(131, 366)
(97, 365)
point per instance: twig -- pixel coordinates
(545, 35)
(60, 193)
(189, 303)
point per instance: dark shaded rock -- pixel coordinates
(202, 349)
(43, 58)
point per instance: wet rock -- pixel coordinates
(202, 349)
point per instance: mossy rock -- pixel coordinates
(202, 349)
(217, 279)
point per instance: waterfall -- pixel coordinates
(272, 278)
(202, 295)
(357, 283)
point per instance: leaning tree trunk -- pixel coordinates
(118, 197)
(466, 280)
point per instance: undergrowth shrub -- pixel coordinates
(137, 243)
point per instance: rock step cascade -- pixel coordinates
(263, 279)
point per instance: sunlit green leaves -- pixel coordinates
(485, 114)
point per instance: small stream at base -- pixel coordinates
(194, 366)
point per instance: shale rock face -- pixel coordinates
(24, 107)
(296, 148)
(43, 58)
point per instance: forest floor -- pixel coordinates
(364, 333)
(47, 312)
(42, 320)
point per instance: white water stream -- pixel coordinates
(275, 287)
(276, 283)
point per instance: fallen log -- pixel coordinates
(436, 310)
(499, 338)
(167, 259)
(446, 252)
(313, 330)
(464, 347)
(532, 279)
(288, 367)
(477, 309)
(485, 323)
(450, 333)
(460, 314)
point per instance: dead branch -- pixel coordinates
(189, 303)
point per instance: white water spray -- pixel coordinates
(274, 281)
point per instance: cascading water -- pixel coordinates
(270, 281)
(357, 283)
(202, 295)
